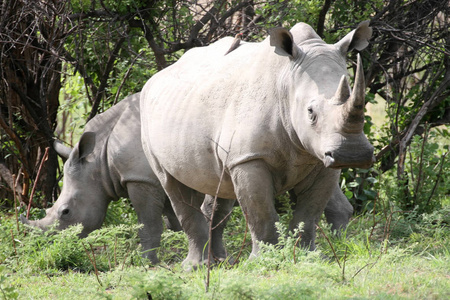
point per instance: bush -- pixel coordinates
(54, 251)
(424, 187)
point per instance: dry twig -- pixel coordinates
(44, 158)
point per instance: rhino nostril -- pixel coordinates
(328, 153)
(65, 211)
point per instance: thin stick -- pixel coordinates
(92, 261)
(44, 158)
(211, 229)
(14, 243)
(223, 219)
(438, 178)
(373, 214)
(419, 176)
(126, 256)
(15, 201)
(343, 264)
(115, 252)
(208, 273)
(365, 266)
(295, 245)
(107, 254)
(93, 257)
(245, 237)
(126, 76)
(371, 265)
(387, 228)
(331, 245)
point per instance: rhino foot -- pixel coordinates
(229, 260)
(151, 255)
(192, 265)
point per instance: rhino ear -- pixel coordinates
(85, 146)
(284, 44)
(356, 39)
(62, 149)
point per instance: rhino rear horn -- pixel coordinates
(343, 91)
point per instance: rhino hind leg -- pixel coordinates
(253, 185)
(221, 216)
(186, 203)
(170, 219)
(338, 211)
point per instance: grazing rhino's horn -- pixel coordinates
(34, 223)
(42, 224)
(61, 149)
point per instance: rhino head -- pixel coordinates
(82, 199)
(326, 115)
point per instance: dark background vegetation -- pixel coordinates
(61, 58)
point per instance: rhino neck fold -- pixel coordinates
(284, 94)
(107, 175)
(103, 125)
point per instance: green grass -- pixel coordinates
(401, 259)
(397, 274)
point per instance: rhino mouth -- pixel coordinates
(334, 161)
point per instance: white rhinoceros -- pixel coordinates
(108, 163)
(273, 116)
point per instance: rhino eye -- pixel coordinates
(312, 115)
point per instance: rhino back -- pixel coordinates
(221, 110)
(126, 154)
(118, 149)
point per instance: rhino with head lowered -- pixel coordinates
(108, 163)
(274, 115)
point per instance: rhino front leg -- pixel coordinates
(186, 203)
(253, 186)
(338, 211)
(312, 198)
(148, 202)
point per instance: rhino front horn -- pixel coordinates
(356, 101)
(26, 221)
(353, 109)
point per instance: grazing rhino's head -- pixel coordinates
(82, 199)
(327, 116)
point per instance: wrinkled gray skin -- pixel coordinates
(338, 210)
(337, 213)
(274, 115)
(108, 163)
